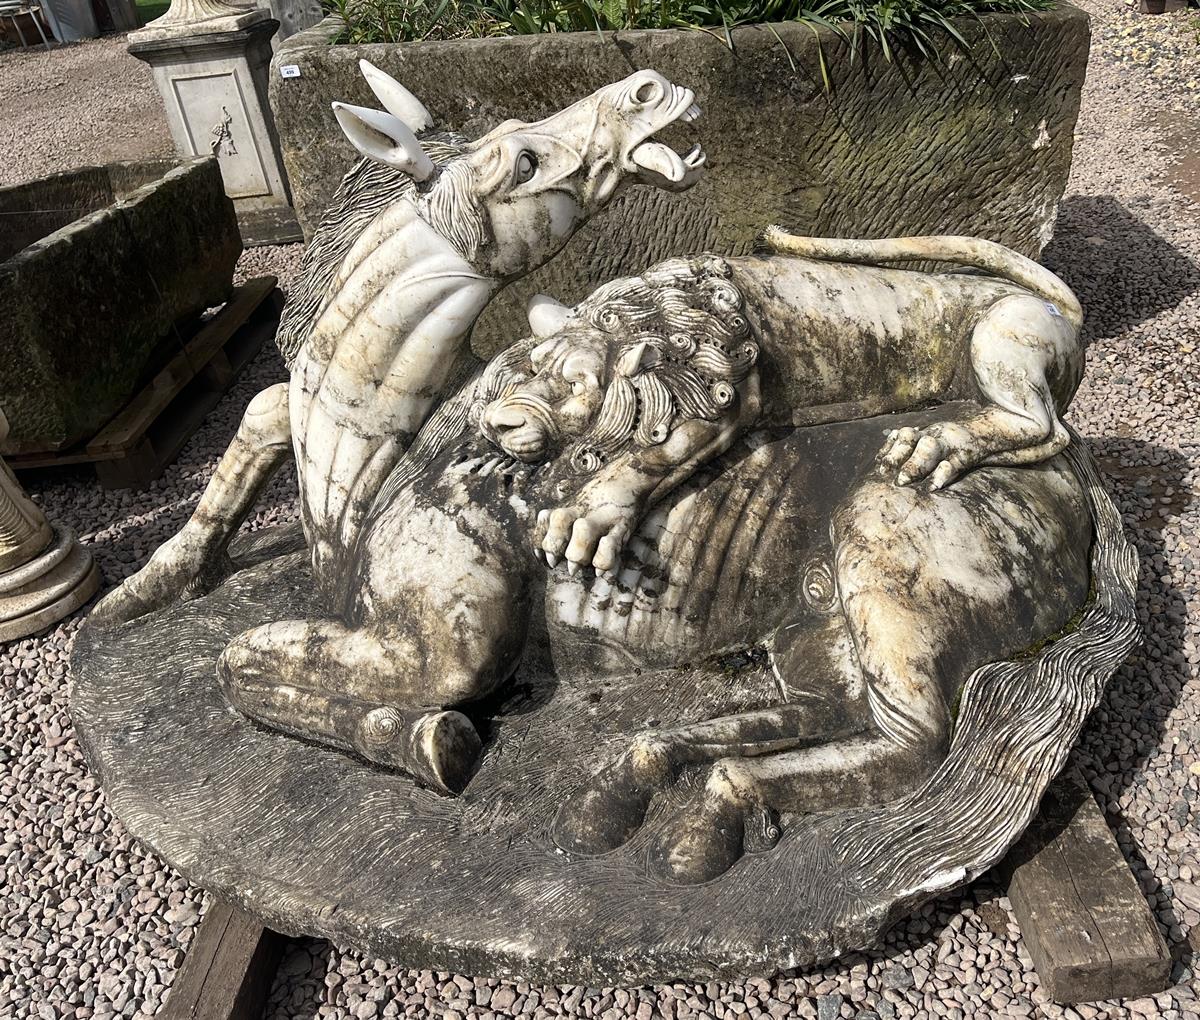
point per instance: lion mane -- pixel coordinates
(696, 347)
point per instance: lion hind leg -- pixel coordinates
(1017, 348)
(905, 735)
(711, 833)
(347, 688)
(607, 810)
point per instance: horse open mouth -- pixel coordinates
(659, 164)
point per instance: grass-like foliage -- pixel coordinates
(884, 22)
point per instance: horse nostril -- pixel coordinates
(648, 92)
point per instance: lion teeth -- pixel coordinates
(691, 113)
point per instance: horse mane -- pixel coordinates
(365, 191)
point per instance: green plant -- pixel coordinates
(886, 23)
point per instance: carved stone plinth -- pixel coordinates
(211, 62)
(44, 573)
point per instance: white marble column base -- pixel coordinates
(49, 587)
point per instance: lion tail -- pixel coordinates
(966, 251)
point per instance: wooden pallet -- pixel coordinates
(137, 445)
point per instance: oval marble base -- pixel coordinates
(50, 587)
(317, 842)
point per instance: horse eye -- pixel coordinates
(527, 165)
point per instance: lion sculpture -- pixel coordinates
(649, 436)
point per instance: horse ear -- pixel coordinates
(396, 99)
(546, 316)
(385, 139)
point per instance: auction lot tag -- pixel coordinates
(289, 71)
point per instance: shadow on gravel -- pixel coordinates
(300, 987)
(1123, 272)
(1129, 726)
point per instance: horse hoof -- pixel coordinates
(601, 816)
(439, 749)
(703, 844)
(445, 747)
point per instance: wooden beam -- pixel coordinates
(228, 971)
(1083, 917)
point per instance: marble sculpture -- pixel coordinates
(823, 508)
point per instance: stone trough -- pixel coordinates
(96, 267)
(978, 143)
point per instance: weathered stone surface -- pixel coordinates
(978, 145)
(90, 288)
(319, 842)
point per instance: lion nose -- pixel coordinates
(501, 417)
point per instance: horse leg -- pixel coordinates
(194, 560)
(375, 694)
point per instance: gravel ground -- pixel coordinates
(77, 105)
(93, 926)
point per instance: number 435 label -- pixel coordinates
(289, 71)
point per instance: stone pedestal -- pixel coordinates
(45, 574)
(211, 63)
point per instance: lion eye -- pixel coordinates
(527, 165)
(578, 388)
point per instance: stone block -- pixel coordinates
(90, 287)
(978, 144)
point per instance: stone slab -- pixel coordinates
(317, 842)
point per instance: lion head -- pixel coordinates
(627, 365)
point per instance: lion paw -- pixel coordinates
(584, 537)
(940, 453)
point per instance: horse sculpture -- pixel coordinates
(422, 233)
